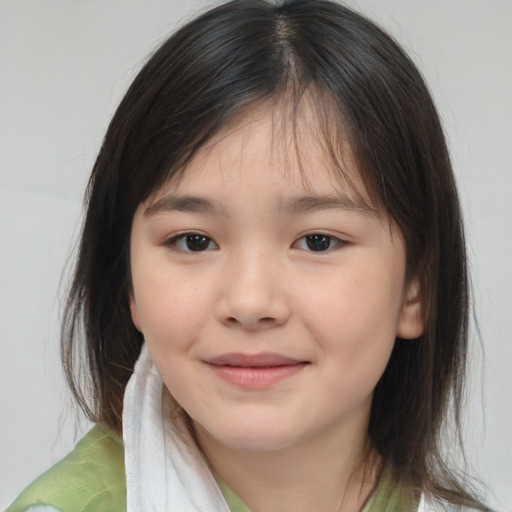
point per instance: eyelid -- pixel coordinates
(339, 242)
(172, 240)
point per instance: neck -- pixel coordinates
(329, 472)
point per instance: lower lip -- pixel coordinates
(256, 377)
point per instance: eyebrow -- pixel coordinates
(300, 205)
(325, 202)
(189, 204)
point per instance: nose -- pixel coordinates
(252, 294)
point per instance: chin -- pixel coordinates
(259, 437)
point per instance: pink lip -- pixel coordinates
(256, 371)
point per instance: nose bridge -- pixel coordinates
(252, 295)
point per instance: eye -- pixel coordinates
(192, 242)
(318, 242)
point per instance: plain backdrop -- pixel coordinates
(64, 66)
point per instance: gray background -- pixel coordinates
(63, 68)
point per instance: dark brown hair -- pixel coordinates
(212, 69)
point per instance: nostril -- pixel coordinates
(265, 320)
(261, 322)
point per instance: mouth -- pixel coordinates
(254, 371)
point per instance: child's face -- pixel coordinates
(269, 308)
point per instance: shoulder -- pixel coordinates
(90, 478)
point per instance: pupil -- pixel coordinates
(197, 242)
(318, 242)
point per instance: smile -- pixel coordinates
(254, 371)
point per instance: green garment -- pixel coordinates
(92, 479)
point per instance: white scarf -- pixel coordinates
(165, 471)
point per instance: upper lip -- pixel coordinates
(252, 360)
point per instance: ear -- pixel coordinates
(410, 322)
(134, 312)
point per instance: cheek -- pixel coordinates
(171, 311)
(358, 305)
(354, 318)
(171, 325)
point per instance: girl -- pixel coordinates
(270, 303)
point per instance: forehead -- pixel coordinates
(276, 149)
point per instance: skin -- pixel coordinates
(257, 287)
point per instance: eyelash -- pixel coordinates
(319, 240)
(310, 240)
(188, 236)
